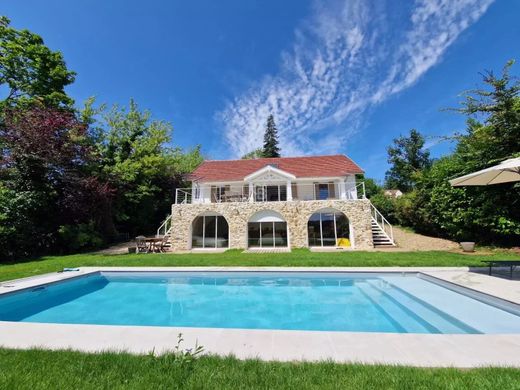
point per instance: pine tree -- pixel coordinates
(271, 148)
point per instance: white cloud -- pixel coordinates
(350, 56)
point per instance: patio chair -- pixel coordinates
(225, 196)
(140, 244)
(163, 245)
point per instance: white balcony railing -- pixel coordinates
(270, 193)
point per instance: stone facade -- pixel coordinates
(296, 213)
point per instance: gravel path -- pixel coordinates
(409, 241)
(116, 249)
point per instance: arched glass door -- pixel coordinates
(328, 228)
(210, 231)
(267, 229)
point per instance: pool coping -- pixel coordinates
(422, 350)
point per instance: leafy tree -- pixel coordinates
(496, 136)
(45, 183)
(29, 70)
(271, 148)
(257, 153)
(137, 160)
(407, 157)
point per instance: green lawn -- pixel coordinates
(36, 369)
(301, 257)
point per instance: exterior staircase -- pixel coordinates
(165, 231)
(382, 232)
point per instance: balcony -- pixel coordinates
(269, 192)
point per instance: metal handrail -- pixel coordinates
(165, 227)
(183, 195)
(384, 222)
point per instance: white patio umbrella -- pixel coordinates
(505, 172)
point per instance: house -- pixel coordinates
(273, 203)
(393, 193)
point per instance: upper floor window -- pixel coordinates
(324, 191)
(271, 193)
(218, 192)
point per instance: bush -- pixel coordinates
(23, 228)
(484, 213)
(386, 206)
(81, 237)
(408, 213)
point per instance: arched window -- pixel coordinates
(210, 231)
(267, 229)
(328, 227)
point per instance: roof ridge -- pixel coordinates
(275, 158)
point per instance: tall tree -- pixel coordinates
(137, 159)
(271, 148)
(45, 183)
(498, 107)
(408, 158)
(29, 70)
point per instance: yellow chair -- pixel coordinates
(343, 242)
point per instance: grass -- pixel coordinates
(39, 369)
(299, 257)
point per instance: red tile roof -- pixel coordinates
(315, 166)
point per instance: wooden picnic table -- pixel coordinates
(152, 244)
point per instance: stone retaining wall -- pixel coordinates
(296, 213)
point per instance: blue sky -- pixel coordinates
(340, 76)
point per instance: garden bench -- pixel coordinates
(503, 263)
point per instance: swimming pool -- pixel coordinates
(324, 301)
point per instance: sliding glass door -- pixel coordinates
(328, 229)
(270, 193)
(267, 234)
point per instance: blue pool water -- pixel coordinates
(398, 303)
